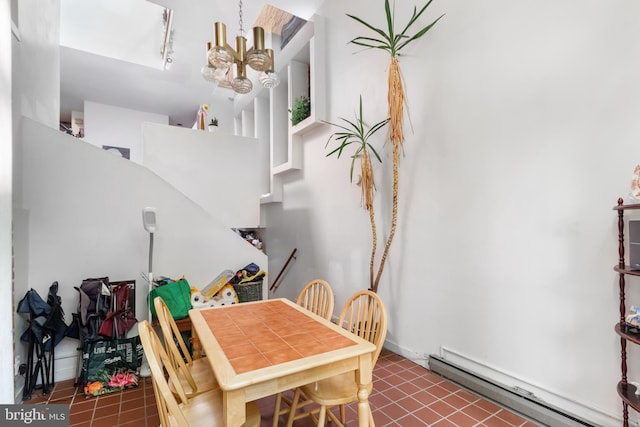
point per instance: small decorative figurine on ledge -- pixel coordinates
(202, 117)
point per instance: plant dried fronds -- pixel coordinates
(356, 132)
(396, 99)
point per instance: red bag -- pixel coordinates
(119, 319)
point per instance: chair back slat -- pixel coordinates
(364, 314)
(317, 297)
(170, 328)
(180, 357)
(161, 368)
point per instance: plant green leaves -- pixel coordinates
(419, 34)
(355, 132)
(301, 109)
(390, 41)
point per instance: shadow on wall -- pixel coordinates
(346, 269)
(288, 230)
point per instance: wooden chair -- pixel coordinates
(195, 375)
(174, 407)
(364, 315)
(317, 297)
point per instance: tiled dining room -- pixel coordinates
(404, 394)
(504, 235)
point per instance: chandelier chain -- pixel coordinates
(240, 20)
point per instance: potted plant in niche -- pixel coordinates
(301, 110)
(213, 125)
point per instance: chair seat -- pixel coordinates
(337, 390)
(205, 410)
(203, 376)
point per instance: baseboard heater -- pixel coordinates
(518, 401)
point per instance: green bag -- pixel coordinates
(177, 297)
(111, 365)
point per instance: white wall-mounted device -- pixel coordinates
(149, 219)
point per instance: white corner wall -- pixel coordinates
(85, 220)
(6, 203)
(524, 132)
(216, 170)
(33, 73)
(39, 60)
(108, 125)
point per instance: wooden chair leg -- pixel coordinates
(276, 410)
(294, 407)
(331, 418)
(322, 416)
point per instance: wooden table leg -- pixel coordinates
(364, 377)
(234, 410)
(363, 408)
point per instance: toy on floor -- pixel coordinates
(226, 296)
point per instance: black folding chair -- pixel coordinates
(92, 310)
(46, 329)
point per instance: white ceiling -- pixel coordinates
(128, 30)
(177, 91)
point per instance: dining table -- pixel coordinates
(261, 348)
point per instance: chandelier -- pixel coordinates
(221, 58)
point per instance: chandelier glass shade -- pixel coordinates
(221, 57)
(257, 56)
(268, 78)
(211, 73)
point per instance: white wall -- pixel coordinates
(85, 220)
(34, 75)
(6, 191)
(39, 60)
(525, 133)
(214, 169)
(117, 127)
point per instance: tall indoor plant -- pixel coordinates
(392, 42)
(358, 133)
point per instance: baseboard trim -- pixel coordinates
(528, 406)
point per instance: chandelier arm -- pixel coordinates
(232, 51)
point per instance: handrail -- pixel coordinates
(273, 285)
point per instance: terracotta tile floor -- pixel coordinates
(405, 395)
